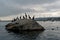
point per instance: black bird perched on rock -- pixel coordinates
(23, 17)
(29, 16)
(13, 20)
(26, 15)
(17, 18)
(20, 17)
(33, 17)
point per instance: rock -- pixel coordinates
(24, 25)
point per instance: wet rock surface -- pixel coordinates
(24, 25)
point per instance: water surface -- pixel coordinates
(48, 34)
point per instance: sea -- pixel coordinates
(51, 32)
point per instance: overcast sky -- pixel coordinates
(40, 8)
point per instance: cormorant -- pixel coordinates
(20, 17)
(33, 18)
(29, 16)
(26, 15)
(23, 17)
(17, 18)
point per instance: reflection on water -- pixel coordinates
(48, 34)
(28, 35)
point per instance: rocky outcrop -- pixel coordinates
(24, 25)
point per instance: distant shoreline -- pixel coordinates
(6, 21)
(39, 19)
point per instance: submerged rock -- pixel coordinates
(24, 25)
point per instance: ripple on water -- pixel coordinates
(48, 34)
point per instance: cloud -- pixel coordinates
(41, 8)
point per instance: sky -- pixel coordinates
(10, 9)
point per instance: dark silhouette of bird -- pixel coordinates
(20, 17)
(33, 17)
(23, 17)
(17, 18)
(29, 16)
(26, 15)
(13, 20)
